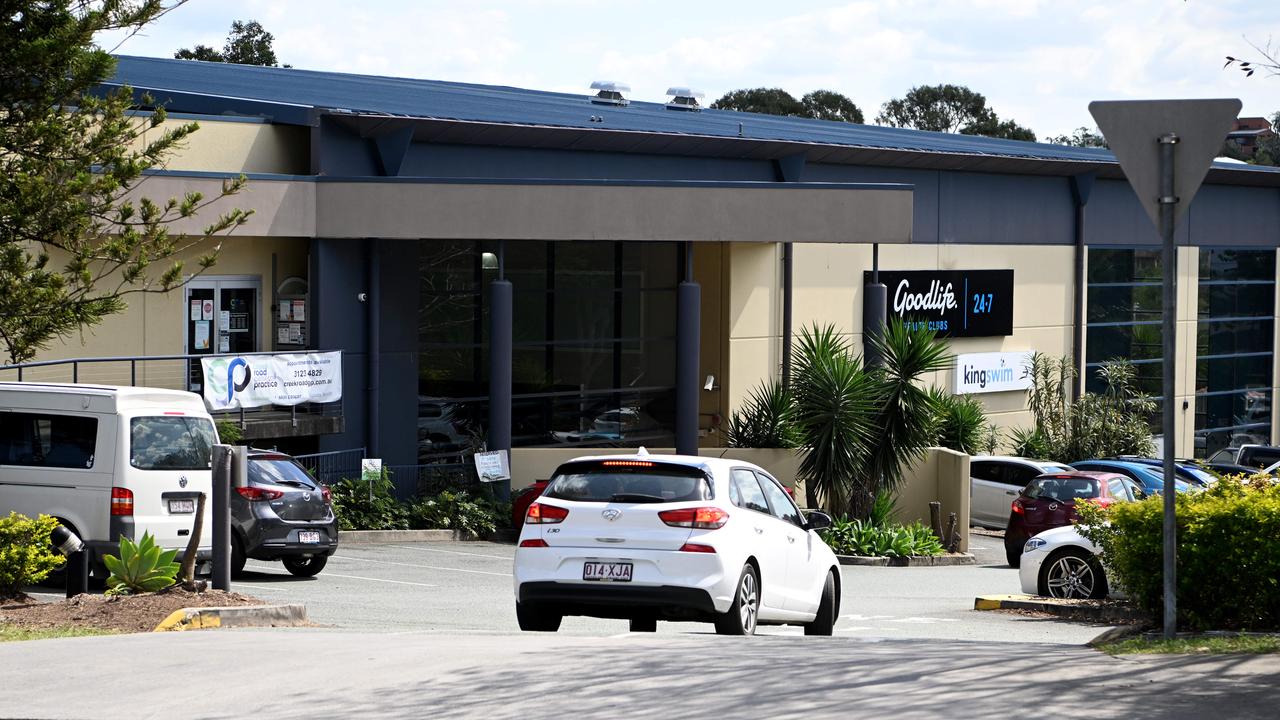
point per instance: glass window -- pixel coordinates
(783, 508)
(628, 481)
(1062, 489)
(279, 471)
(1117, 489)
(170, 443)
(750, 495)
(41, 440)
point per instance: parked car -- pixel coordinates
(1223, 469)
(1049, 501)
(520, 504)
(1254, 456)
(994, 481)
(1188, 470)
(1150, 477)
(282, 514)
(1062, 563)
(646, 538)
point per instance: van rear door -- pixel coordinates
(167, 466)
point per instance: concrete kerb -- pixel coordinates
(1085, 610)
(922, 561)
(370, 537)
(240, 616)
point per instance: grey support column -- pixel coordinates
(788, 291)
(688, 331)
(875, 308)
(500, 330)
(1081, 187)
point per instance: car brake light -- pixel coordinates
(121, 501)
(1103, 501)
(256, 494)
(627, 463)
(544, 514)
(326, 494)
(535, 542)
(1017, 507)
(696, 548)
(703, 518)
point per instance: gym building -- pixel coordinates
(547, 270)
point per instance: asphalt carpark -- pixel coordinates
(466, 587)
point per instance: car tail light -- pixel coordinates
(121, 501)
(703, 518)
(627, 463)
(535, 542)
(326, 494)
(696, 548)
(1017, 507)
(539, 514)
(1103, 501)
(256, 494)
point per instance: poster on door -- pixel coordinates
(251, 381)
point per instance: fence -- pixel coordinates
(330, 467)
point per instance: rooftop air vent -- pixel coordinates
(610, 93)
(683, 98)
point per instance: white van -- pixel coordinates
(107, 462)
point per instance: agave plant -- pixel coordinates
(962, 422)
(767, 420)
(141, 567)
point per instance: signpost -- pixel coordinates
(1165, 148)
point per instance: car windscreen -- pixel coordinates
(170, 442)
(1062, 489)
(628, 481)
(279, 471)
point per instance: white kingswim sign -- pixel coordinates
(992, 372)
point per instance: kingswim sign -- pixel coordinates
(992, 372)
(953, 303)
(249, 381)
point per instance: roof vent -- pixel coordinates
(683, 98)
(610, 93)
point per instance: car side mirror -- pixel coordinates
(817, 520)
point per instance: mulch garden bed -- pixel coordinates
(128, 613)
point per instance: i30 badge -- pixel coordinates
(611, 514)
(182, 481)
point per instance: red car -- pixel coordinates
(1049, 501)
(520, 504)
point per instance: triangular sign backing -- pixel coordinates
(1132, 129)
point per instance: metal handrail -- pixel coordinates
(133, 361)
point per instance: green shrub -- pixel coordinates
(361, 505)
(766, 420)
(229, 432)
(26, 555)
(141, 567)
(457, 510)
(961, 422)
(1228, 553)
(858, 537)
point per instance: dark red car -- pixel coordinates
(1050, 501)
(520, 503)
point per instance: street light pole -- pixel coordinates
(1169, 260)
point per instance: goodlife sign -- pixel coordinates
(251, 381)
(992, 372)
(953, 303)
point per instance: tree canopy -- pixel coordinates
(247, 44)
(76, 236)
(951, 109)
(819, 104)
(1082, 137)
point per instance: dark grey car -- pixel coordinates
(282, 514)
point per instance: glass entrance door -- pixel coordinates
(222, 317)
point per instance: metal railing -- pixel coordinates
(330, 467)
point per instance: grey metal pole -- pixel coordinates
(688, 330)
(787, 291)
(500, 356)
(373, 353)
(1169, 259)
(221, 531)
(875, 309)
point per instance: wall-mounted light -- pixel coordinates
(488, 261)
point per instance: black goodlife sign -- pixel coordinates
(955, 303)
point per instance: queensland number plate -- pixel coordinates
(182, 506)
(607, 571)
(309, 536)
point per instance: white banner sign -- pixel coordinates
(255, 380)
(492, 466)
(992, 372)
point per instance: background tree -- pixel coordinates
(1082, 137)
(951, 109)
(247, 44)
(819, 104)
(1267, 60)
(76, 237)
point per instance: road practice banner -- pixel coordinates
(249, 381)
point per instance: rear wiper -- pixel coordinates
(294, 483)
(636, 497)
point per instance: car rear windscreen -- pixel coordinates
(170, 442)
(628, 481)
(278, 471)
(1062, 489)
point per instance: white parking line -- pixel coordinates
(412, 565)
(393, 582)
(452, 552)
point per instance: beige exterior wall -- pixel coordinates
(942, 476)
(247, 147)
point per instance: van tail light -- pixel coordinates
(257, 494)
(696, 548)
(121, 501)
(326, 494)
(535, 542)
(1017, 507)
(539, 514)
(703, 518)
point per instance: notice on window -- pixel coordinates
(282, 335)
(224, 343)
(201, 340)
(206, 310)
(295, 333)
(224, 320)
(195, 310)
(299, 310)
(285, 307)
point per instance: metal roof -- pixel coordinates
(499, 115)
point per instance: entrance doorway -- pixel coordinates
(222, 317)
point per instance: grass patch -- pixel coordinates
(9, 633)
(1204, 645)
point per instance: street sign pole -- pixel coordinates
(1169, 259)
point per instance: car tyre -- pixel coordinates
(1075, 573)
(647, 624)
(237, 556)
(741, 617)
(534, 618)
(825, 621)
(1013, 555)
(306, 567)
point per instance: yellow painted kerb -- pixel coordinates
(995, 602)
(187, 619)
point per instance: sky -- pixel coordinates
(1039, 62)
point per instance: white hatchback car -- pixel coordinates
(648, 537)
(1062, 563)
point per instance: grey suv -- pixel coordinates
(282, 514)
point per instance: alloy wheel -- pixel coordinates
(750, 602)
(1070, 576)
